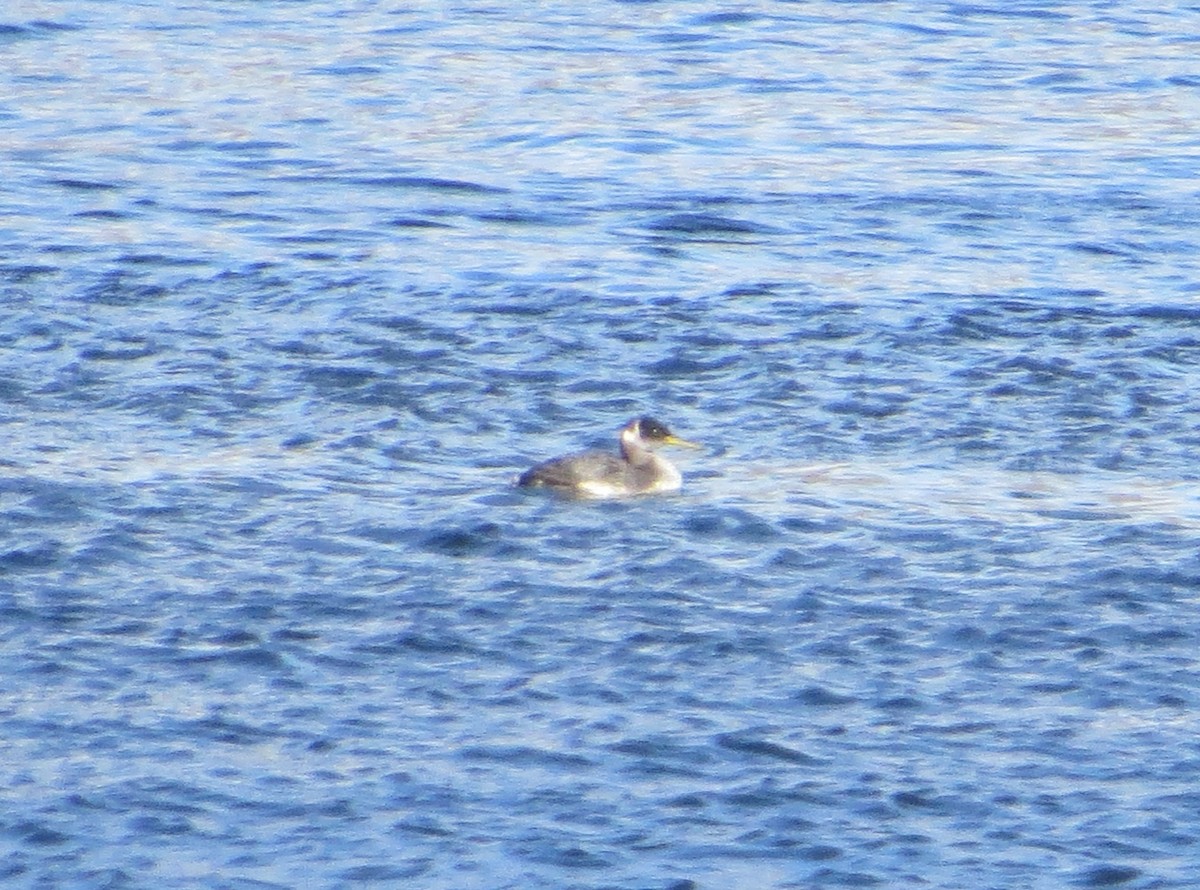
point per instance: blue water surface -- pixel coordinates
(290, 292)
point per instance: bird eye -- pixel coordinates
(653, 429)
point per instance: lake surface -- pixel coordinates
(291, 292)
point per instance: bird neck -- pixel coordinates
(634, 450)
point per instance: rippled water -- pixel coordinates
(291, 292)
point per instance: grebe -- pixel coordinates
(598, 474)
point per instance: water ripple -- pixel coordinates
(290, 300)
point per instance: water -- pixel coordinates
(292, 291)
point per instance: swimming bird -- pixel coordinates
(598, 474)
